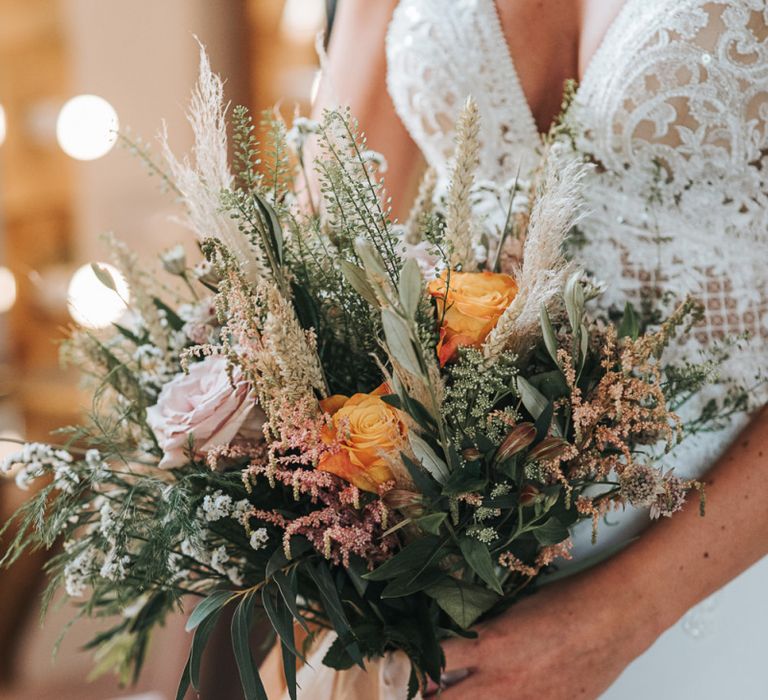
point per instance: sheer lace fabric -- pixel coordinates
(673, 112)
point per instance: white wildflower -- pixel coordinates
(79, 570)
(216, 506)
(108, 523)
(35, 459)
(206, 273)
(174, 260)
(219, 558)
(375, 158)
(98, 467)
(200, 321)
(190, 548)
(297, 135)
(259, 538)
(154, 370)
(241, 511)
(113, 568)
(235, 575)
(65, 479)
(177, 341)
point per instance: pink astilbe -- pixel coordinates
(341, 526)
(219, 457)
(295, 430)
(626, 408)
(544, 558)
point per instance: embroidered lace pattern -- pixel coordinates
(673, 111)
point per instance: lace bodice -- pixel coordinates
(439, 53)
(672, 111)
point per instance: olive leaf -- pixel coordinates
(399, 342)
(550, 340)
(104, 276)
(358, 280)
(428, 458)
(410, 288)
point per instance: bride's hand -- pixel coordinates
(570, 640)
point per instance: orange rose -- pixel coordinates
(470, 305)
(365, 427)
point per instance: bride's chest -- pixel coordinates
(676, 90)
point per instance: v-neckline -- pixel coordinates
(498, 29)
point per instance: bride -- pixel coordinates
(672, 109)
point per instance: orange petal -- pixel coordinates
(449, 345)
(340, 465)
(333, 403)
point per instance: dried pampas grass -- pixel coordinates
(202, 179)
(459, 234)
(545, 268)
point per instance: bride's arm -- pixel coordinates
(576, 636)
(355, 76)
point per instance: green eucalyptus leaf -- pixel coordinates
(534, 401)
(551, 384)
(407, 584)
(424, 482)
(253, 689)
(407, 560)
(478, 556)
(273, 226)
(191, 673)
(393, 400)
(431, 523)
(282, 622)
(210, 605)
(372, 260)
(462, 601)
(551, 532)
(334, 608)
(288, 590)
(630, 323)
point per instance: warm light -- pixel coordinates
(2, 125)
(93, 304)
(7, 290)
(302, 19)
(9, 443)
(87, 127)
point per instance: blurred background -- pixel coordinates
(70, 70)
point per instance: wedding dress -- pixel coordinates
(673, 111)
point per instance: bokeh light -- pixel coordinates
(86, 128)
(2, 125)
(91, 303)
(7, 290)
(302, 19)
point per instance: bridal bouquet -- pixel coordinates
(344, 423)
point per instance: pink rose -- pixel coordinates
(202, 407)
